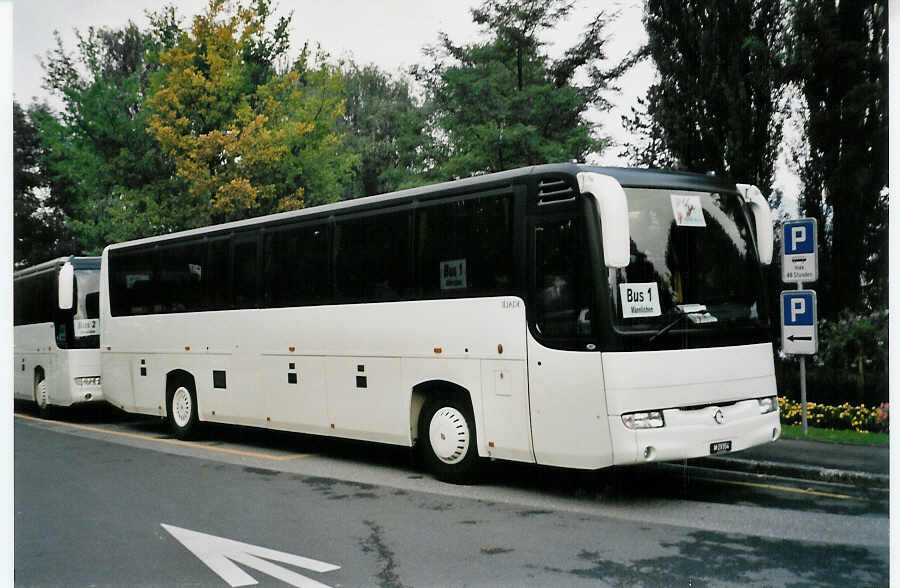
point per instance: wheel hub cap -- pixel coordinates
(449, 435)
(181, 406)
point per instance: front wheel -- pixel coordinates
(182, 411)
(447, 439)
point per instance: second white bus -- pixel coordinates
(57, 333)
(561, 314)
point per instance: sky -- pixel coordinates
(389, 33)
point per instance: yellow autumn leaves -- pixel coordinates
(243, 135)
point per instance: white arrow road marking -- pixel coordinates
(218, 553)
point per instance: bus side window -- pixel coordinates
(245, 273)
(465, 248)
(372, 258)
(92, 305)
(216, 292)
(562, 291)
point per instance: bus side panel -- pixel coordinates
(365, 399)
(115, 376)
(34, 347)
(568, 408)
(295, 393)
(507, 427)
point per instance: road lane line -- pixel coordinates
(807, 491)
(170, 441)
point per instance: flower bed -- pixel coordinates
(862, 419)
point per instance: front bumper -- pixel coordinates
(79, 394)
(690, 432)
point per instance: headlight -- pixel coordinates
(644, 420)
(767, 405)
(87, 381)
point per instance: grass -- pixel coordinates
(817, 434)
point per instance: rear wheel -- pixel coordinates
(182, 410)
(42, 397)
(447, 439)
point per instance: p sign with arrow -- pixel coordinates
(799, 334)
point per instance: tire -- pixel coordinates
(42, 398)
(181, 408)
(447, 440)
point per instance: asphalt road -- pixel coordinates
(92, 493)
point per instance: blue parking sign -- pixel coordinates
(797, 309)
(800, 236)
(799, 332)
(799, 262)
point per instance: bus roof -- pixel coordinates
(53, 264)
(627, 177)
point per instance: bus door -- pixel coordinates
(239, 398)
(565, 375)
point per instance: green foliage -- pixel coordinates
(835, 436)
(504, 103)
(839, 62)
(384, 128)
(718, 105)
(106, 176)
(646, 146)
(39, 232)
(855, 345)
(163, 129)
(244, 137)
(851, 365)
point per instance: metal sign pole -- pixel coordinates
(799, 262)
(803, 384)
(803, 391)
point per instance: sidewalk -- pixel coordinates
(813, 460)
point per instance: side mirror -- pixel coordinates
(66, 286)
(612, 207)
(762, 215)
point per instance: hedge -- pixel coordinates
(862, 419)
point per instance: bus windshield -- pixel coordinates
(85, 323)
(693, 266)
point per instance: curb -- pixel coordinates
(806, 472)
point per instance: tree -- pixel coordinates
(384, 128)
(39, 233)
(504, 103)
(245, 137)
(719, 98)
(839, 62)
(107, 178)
(646, 147)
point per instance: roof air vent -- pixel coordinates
(554, 190)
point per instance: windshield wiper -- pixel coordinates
(684, 310)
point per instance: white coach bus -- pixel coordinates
(57, 334)
(560, 314)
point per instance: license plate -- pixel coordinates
(720, 447)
